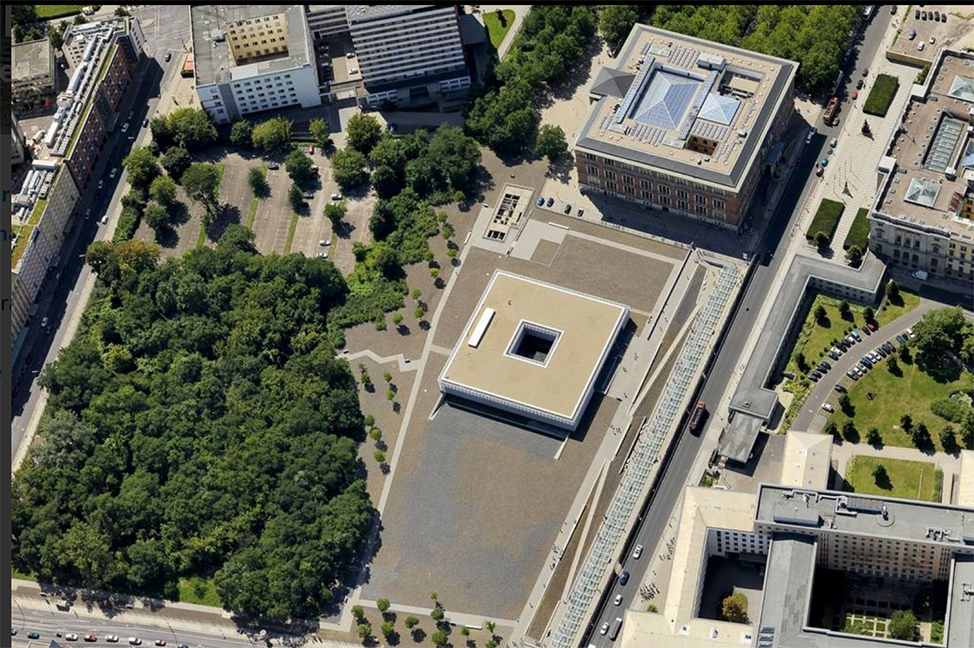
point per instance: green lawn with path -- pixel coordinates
(815, 338)
(918, 480)
(495, 30)
(893, 396)
(826, 219)
(881, 96)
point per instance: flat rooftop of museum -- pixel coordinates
(668, 92)
(550, 372)
(866, 515)
(934, 152)
(211, 51)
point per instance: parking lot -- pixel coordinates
(946, 25)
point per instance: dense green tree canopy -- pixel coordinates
(199, 424)
(272, 135)
(348, 168)
(551, 143)
(364, 132)
(163, 190)
(241, 133)
(942, 330)
(616, 21)
(141, 167)
(299, 166)
(201, 181)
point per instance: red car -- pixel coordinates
(871, 325)
(855, 95)
(160, 642)
(311, 150)
(91, 637)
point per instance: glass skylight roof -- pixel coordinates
(720, 109)
(922, 192)
(666, 100)
(962, 88)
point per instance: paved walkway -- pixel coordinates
(949, 464)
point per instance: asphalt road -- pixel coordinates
(59, 298)
(50, 622)
(673, 477)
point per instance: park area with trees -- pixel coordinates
(199, 425)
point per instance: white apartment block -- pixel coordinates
(252, 58)
(402, 46)
(327, 20)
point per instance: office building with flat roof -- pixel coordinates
(533, 349)
(685, 125)
(33, 77)
(252, 58)
(792, 532)
(408, 54)
(326, 20)
(923, 217)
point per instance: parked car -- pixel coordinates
(113, 173)
(90, 637)
(865, 72)
(321, 255)
(833, 355)
(923, 15)
(901, 338)
(33, 635)
(71, 637)
(920, 46)
(308, 195)
(311, 149)
(336, 197)
(111, 638)
(135, 641)
(913, 34)
(828, 408)
(551, 201)
(323, 242)
(811, 134)
(889, 346)
(872, 326)
(125, 127)
(866, 361)
(936, 17)
(624, 578)
(637, 552)
(852, 374)
(604, 628)
(839, 388)
(104, 220)
(580, 213)
(617, 600)
(882, 351)
(101, 183)
(834, 142)
(909, 332)
(168, 56)
(933, 40)
(815, 376)
(44, 323)
(854, 333)
(541, 201)
(160, 642)
(865, 329)
(567, 209)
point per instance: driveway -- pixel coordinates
(812, 418)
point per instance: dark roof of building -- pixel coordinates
(610, 82)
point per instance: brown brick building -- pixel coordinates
(685, 125)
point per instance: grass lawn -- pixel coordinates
(881, 95)
(912, 393)
(19, 575)
(815, 338)
(918, 480)
(292, 227)
(46, 12)
(826, 219)
(201, 591)
(252, 212)
(495, 30)
(859, 232)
